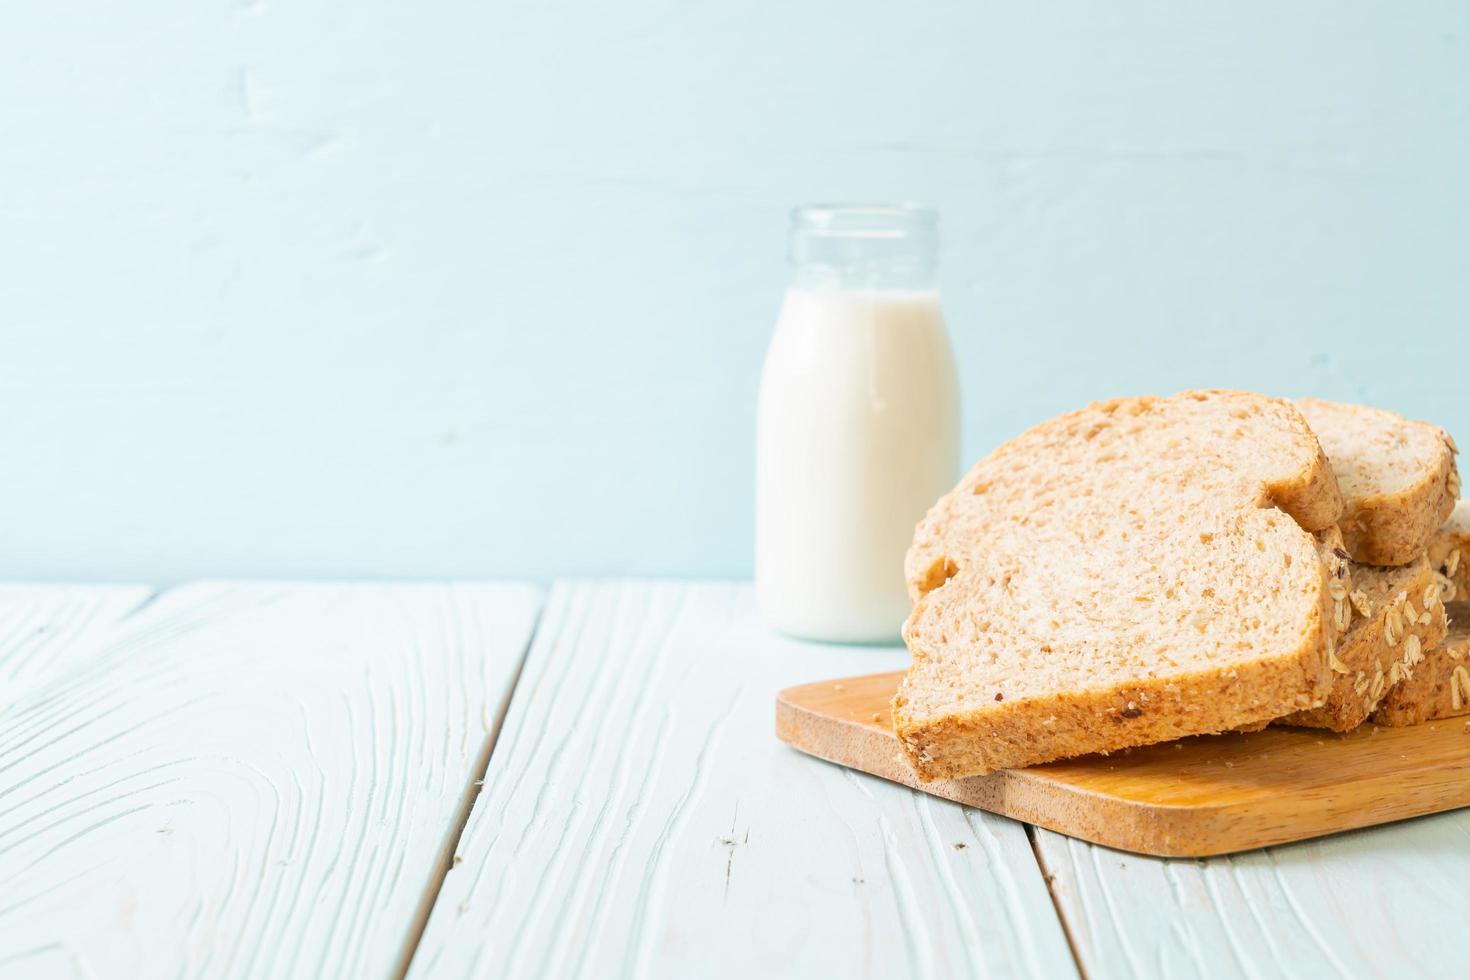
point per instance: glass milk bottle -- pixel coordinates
(858, 425)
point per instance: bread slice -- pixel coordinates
(1449, 551)
(1398, 478)
(1128, 573)
(1397, 617)
(1440, 686)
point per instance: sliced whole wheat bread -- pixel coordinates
(1398, 478)
(1128, 573)
(1397, 616)
(1449, 551)
(1440, 686)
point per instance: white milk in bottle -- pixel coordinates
(858, 424)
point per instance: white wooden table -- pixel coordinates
(485, 780)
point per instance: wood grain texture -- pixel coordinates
(1193, 797)
(248, 779)
(1385, 902)
(44, 629)
(640, 819)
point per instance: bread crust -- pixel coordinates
(1449, 552)
(1026, 732)
(1394, 527)
(1312, 497)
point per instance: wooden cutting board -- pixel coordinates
(1212, 794)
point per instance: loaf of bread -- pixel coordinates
(1397, 617)
(1440, 686)
(1449, 551)
(1131, 572)
(1398, 478)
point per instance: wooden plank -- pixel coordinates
(640, 818)
(45, 629)
(249, 779)
(1386, 902)
(1194, 797)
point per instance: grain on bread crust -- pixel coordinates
(1398, 477)
(1405, 618)
(1347, 599)
(1128, 573)
(1449, 552)
(1439, 687)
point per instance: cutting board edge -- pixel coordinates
(1139, 827)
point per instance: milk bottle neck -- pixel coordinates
(873, 247)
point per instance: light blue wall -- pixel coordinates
(483, 288)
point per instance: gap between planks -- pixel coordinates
(450, 851)
(135, 611)
(1050, 881)
(651, 809)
